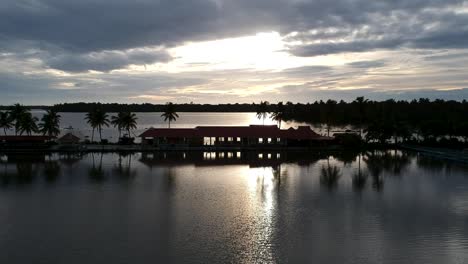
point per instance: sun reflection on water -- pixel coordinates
(262, 188)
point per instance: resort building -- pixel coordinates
(233, 136)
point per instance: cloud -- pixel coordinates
(76, 37)
(367, 64)
(106, 60)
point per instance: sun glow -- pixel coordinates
(263, 51)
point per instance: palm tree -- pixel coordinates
(278, 113)
(50, 123)
(262, 110)
(170, 113)
(5, 121)
(129, 122)
(330, 108)
(361, 102)
(117, 122)
(27, 124)
(97, 118)
(16, 111)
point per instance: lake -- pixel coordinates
(195, 207)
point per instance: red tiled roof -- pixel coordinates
(69, 137)
(170, 132)
(252, 131)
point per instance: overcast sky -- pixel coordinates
(210, 51)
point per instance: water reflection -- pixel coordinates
(359, 177)
(247, 207)
(330, 175)
(96, 173)
(376, 165)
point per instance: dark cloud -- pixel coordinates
(95, 25)
(106, 60)
(367, 64)
(104, 35)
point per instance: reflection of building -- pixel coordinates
(213, 158)
(17, 142)
(235, 136)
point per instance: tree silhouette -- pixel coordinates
(361, 103)
(27, 124)
(129, 122)
(278, 113)
(169, 114)
(5, 122)
(117, 122)
(16, 112)
(97, 119)
(50, 124)
(262, 110)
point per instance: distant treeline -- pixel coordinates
(113, 107)
(402, 120)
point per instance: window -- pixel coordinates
(238, 154)
(207, 141)
(230, 155)
(238, 139)
(221, 155)
(260, 140)
(221, 139)
(269, 140)
(230, 139)
(260, 156)
(278, 140)
(278, 155)
(269, 155)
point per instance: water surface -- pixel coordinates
(175, 207)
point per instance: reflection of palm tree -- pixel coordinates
(125, 171)
(375, 166)
(169, 114)
(51, 170)
(330, 175)
(359, 178)
(96, 173)
(262, 110)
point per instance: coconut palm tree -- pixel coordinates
(170, 113)
(117, 122)
(361, 103)
(278, 113)
(129, 122)
(5, 121)
(26, 123)
(50, 123)
(16, 111)
(97, 118)
(262, 110)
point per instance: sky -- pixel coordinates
(228, 51)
